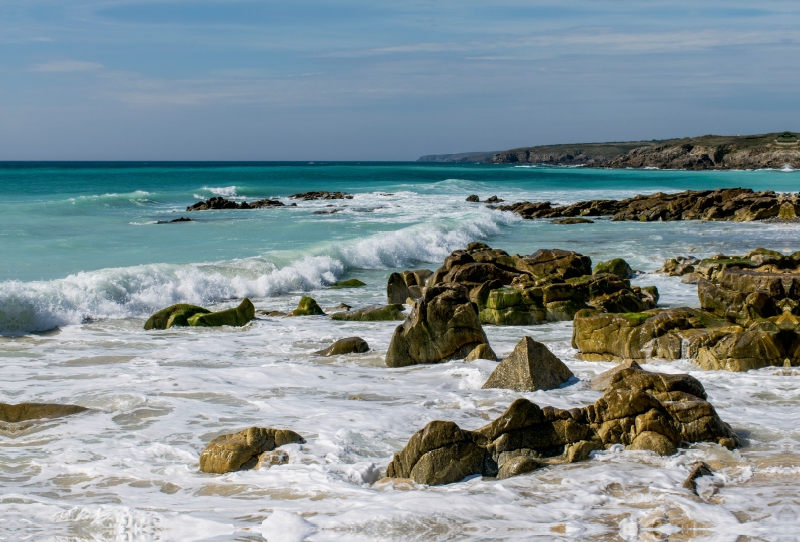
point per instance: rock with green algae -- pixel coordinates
(235, 316)
(375, 314)
(174, 315)
(23, 412)
(617, 266)
(307, 307)
(351, 283)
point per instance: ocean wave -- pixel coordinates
(130, 292)
(224, 191)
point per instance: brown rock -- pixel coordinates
(34, 411)
(482, 351)
(530, 367)
(349, 345)
(603, 380)
(228, 453)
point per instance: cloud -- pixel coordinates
(61, 66)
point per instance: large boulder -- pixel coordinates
(407, 285)
(616, 266)
(372, 314)
(239, 451)
(174, 315)
(235, 316)
(307, 306)
(564, 263)
(349, 345)
(443, 325)
(530, 367)
(640, 410)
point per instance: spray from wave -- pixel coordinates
(138, 291)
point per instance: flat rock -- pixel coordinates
(33, 411)
(530, 367)
(602, 381)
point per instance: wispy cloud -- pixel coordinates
(66, 66)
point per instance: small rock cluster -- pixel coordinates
(183, 314)
(222, 203)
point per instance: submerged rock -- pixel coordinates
(372, 314)
(530, 367)
(235, 316)
(239, 451)
(571, 220)
(349, 345)
(443, 325)
(23, 412)
(699, 470)
(351, 283)
(307, 307)
(640, 410)
(308, 196)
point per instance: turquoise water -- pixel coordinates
(84, 264)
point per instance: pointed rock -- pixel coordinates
(530, 367)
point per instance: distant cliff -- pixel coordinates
(773, 150)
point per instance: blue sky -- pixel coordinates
(372, 80)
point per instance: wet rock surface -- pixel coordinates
(241, 451)
(372, 314)
(191, 315)
(749, 317)
(23, 412)
(640, 410)
(530, 367)
(307, 306)
(219, 202)
(736, 204)
(348, 345)
(407, 285)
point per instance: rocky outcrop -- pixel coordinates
(443, 325)
(546, 286)
(241, 451)
(617, 266)
(407, 285)
(349, 345)
(192, 315)
(372, 314)
(530, 367)
(749, 318)
(222, 203)
(571, 220)
(308, 196)
(640, 410)
(736, 204)
(23, 412)
(307, 306)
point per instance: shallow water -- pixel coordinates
(91, 264)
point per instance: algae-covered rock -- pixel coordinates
(530, 367)
(640, 410)
(443, 325)
(349, 345)
(307, 307)
(372, 314)
(235, 316)
(228, 453)
(33, 411)
(174, 315)
(351, 283)
(617, 266)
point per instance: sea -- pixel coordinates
(85, 261)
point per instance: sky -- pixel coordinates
(384, 80)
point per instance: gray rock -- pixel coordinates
(349, 345)
(531, 366)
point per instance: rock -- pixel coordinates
(601, 381)
(174, 315)
(562, 263)
(308, 196)
(222, 203)
(307, 307)
(408, 284)
(235, 316)
(473, 198)
(271, 459)
(700, 469)
(530, 367)
(493, 199)
(617, 266)
(443, 325)
(175, 220)
(351, 283)
(640, 410)
(482, 351)
(571, 220)
(34, 411)
(229, 453)
(350, 345)
(372, 314)
(654, 442)
(328, 212)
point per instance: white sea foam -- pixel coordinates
(224, 191)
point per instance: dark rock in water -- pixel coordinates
(308, 196)
(235, 316)
(34, 411)
(482, 351)
(176, 220)
(677, 267)
(350, 345)
(307, 307)
(640, 410)
(222, 203)
(530, 367)
(330, 212)
(700, 469)
(407, 285)
(372, 314)
(443, 325)
(174, 315)
(473, 198)
(617, 266)
(240, 451)
(571, 220)
(493, 199)
(351, 283)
